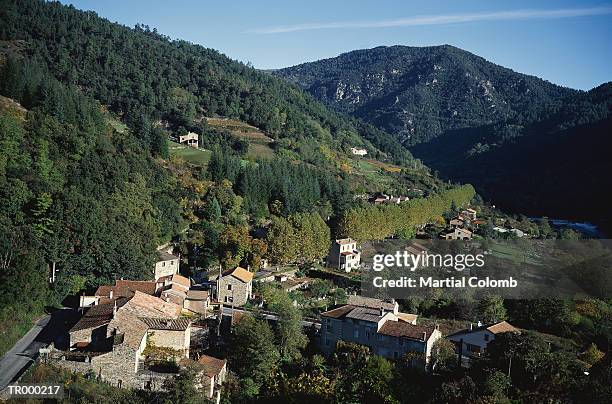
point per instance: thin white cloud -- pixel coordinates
(440, 19)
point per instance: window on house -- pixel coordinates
(356, 334)
(229, 287)
(163, 264)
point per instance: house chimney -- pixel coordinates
(382, 311)
(110, 294)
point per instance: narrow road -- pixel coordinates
(23, 353)
(46, 330)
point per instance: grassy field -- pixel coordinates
(513, 253)
(371, 174)
(198, 157)
(259, 142)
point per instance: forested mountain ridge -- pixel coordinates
(520, 140)
(146, 77)
(417, 93)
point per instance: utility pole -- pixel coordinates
(220, 319)
(509, 366)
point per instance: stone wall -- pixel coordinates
(179, 340)
(94, 334)
(117, 368)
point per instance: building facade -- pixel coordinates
(473, 341)
(190, 139)
(166, 265)
(344, 255)
(234, 287)
(385, 333)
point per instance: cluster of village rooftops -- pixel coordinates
(122, 325)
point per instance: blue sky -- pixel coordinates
(566, 42)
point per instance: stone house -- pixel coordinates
(191, 139)
(212, 373)
(112, 338)
(235, 286)
(197, 301)
(175, 288)
(358, 152)
(456, 222)
(169, 333)
(167, 264)
(344, 255)
(386, 332)
(457, 233)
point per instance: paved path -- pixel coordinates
(23, 353)
(46, 330)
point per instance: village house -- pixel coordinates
(456, 222)
(210, 374)
(175, 288)
(197, 301)
(190, 139)
(167, 264)
(111, 340)
(122, 288)
(344, 255)
(378, 325)
(469, 214)
(457, 233)
(381, 198)
(478, 222)
(358, 152)
(518, 233)
(234, 286)
(473, 341)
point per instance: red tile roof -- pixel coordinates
(240, 274)
(211, 366)
(495, 328)
(147, 287)
(197, 294)
(181, 280)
